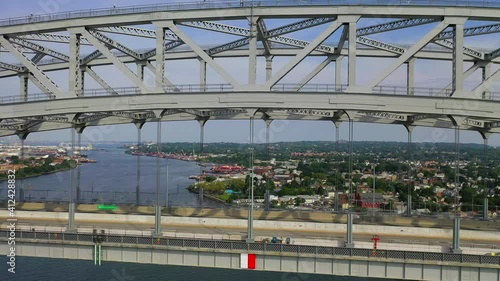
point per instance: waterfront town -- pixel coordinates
(39, 160)
(315, 175)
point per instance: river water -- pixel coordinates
(31, 269)
(114, 177)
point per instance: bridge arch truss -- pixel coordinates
(40, 49)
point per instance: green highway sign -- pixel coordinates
(106, 207)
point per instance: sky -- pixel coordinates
(427, 74)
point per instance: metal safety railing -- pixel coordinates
(284, 88)
(239, 246)
(198, 5)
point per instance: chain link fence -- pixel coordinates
(256, 247)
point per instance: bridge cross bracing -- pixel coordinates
(84, 43)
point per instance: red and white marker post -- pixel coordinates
(248, 261)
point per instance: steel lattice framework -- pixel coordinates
(42, 45)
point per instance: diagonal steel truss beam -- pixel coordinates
(90, 57)
(200, 52)
(380, 45)
(32, 67)
(315, 72)
(107, 53)
(296, 26)
(54, 38)
(110, 42)
(472, 31)
(168, 46)
(39, 84)
(219, 27)
(486, 85)
(408, 54)
(87, 118)
(37, 58)
(166, 81)
(343, 39)
(272, 35)
(493, 55)
(139, 32)
(303, 53)
(12, 67)
(468, 51)
(393, 25)
(384, 115)
(262, 31)
(466, 75)
(100, 81)
(39, 48)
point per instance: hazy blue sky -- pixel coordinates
(428, 74)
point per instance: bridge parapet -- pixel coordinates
(236, 4)
(267, 248)
(284, 88)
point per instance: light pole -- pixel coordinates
(373, 190)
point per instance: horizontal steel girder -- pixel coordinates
(49, 123)
(477, 109)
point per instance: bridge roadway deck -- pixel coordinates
(304, 233)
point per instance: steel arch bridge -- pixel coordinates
(75, 45)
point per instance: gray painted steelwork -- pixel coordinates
(374, 102)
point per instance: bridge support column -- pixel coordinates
(351, 73)
(71, 211)
(250, 237)
(78, 171)
(202, 139)
(485, 73)
(75, 74)
(267, 199)
(338, 73)
(455, 248)
(409, 204)
(410, 78)
(336, 190)
(23, 79)
(167, 192)
(252, 48)
(140, 70)
(350, 243)
(458, 60)
(485, 207)
(160, 58)
(157, 232)
(350, 220)
(203, 75)
(139, 125)
(22, 136)
(269, 67)
(486, 190)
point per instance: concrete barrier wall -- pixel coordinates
(277, 215)
(258, 224)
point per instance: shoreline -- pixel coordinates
(210, 197)
(39, 174)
